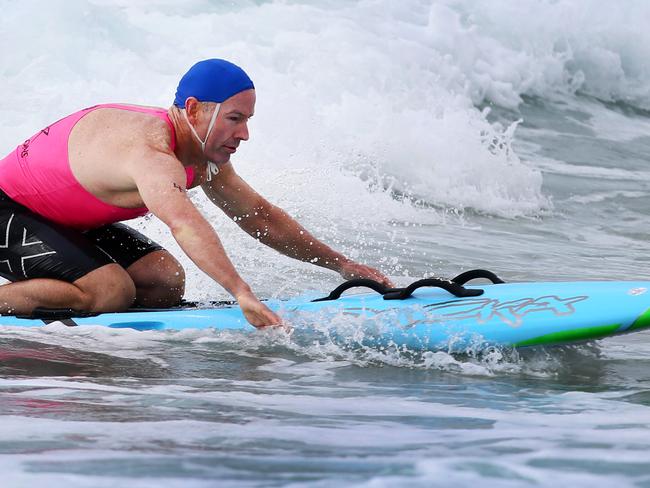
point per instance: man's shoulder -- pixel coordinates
(146, 128)
(131, 119)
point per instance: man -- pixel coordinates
(65, 189)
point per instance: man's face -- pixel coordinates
(231, 126)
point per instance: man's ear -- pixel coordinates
(192, 108)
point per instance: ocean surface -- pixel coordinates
(423, 137)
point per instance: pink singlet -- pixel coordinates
(38, 175)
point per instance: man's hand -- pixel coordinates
(256, 312)
(353, 270)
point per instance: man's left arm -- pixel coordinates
(275, 228)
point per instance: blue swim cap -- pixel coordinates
(212, 80)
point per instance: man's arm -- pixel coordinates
(160, 179)
(274, 227)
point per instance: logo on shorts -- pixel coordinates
(19, 248)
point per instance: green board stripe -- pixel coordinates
(642, 321)
(583, 334)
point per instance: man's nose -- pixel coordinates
(242, 133)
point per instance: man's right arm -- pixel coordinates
(160, 179)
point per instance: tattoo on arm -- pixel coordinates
(180, 188)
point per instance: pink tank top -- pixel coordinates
(38, 175)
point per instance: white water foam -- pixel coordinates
(346, 108)
(368, 89)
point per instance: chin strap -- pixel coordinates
(212, 169)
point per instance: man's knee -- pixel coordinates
(172, 273)
(106, 289)
(159, 280)
(159, 270)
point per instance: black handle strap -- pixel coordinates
(452, 287)
(474, 274)
(336, 292)
(455, 286)
(54, 314)
(455, 289)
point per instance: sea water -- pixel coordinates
(422, 137)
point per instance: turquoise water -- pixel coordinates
(423, 137)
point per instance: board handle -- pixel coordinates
(456, 289)
(474, 274)
(452, 287)
(55, 314)
(357, 282)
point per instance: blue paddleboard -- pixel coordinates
(452, 319)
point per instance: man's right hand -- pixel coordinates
(256, 312)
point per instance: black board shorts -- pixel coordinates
(34, 247)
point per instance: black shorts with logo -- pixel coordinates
(33, 247)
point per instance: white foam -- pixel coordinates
(346, 106)
(585, 171)
(543, 48)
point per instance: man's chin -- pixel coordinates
(220, 159)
